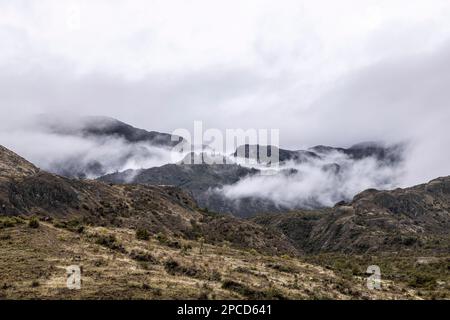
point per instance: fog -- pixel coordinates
(318, 182)
(73, 154)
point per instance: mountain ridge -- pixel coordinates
(164, 209)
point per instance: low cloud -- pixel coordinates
(318, 182)
(76, 155)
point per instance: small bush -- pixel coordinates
(33, 223)
(109, 241)
(74, 225)
(215, 276)
(173, 244)
(422, 280)
(250, 293)
(142, 234)
(240, 288)
(161, 238)
(185, 248)
(8, 222)
(142, 256)
(281, 268)
(172, 267)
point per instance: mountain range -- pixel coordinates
(46, 218)
(179, 234)
(113, 151)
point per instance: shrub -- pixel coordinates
(161, 238)
(8, 222)
(185, 248)
(422, 280)
(142, 234)
(241, 289)
(142, 256)
(281, 268)
(74, 225)
(215, 276)
(174, 244)
(172, 267)
(33, 223)
(269, 294)
(110, 241)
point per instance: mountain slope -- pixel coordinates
(33, 265)
(106, 127)
(187, 253)
(96, 146)
(386, 154)
(200, 180)
(256, 151)
(25, 190)
(402, 219)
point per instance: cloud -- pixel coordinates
(321, 72)
(319, 182)
(70, 153)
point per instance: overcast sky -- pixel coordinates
(323, 72)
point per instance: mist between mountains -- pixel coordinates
(211, 146)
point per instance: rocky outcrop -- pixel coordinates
(416, 218)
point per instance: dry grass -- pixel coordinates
(33, 262)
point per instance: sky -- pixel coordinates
(322, 72)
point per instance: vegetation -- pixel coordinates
(33, 223)
(8, 222)
(109, 241)
(428, 275)
(142, 234)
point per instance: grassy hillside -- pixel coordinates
(116, 265)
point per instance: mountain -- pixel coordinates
(102, 145)
(388, 154)
(254, 152)
(391, 154)
(411, 219)
(26, 190)
(153, 242)
(200, 180)
(106, 127)
(206, 181)
(203, 182)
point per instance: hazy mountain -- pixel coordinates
(26, 190)
(416, 218)
(200, 180)
(106, 127)
(359, 151)
(97, 223)
(255, 151)
(387, 154)
(210, 185)
(101, 145)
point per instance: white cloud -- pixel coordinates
(323, 72)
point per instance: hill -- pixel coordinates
(416, 218)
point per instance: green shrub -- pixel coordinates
(142, 234)
(268, 294)
(172, 267)
(422, 280)
(8, 222)
(142, 256)
(33, 223)
(161, 238)
(109, 241)
(73, 225)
